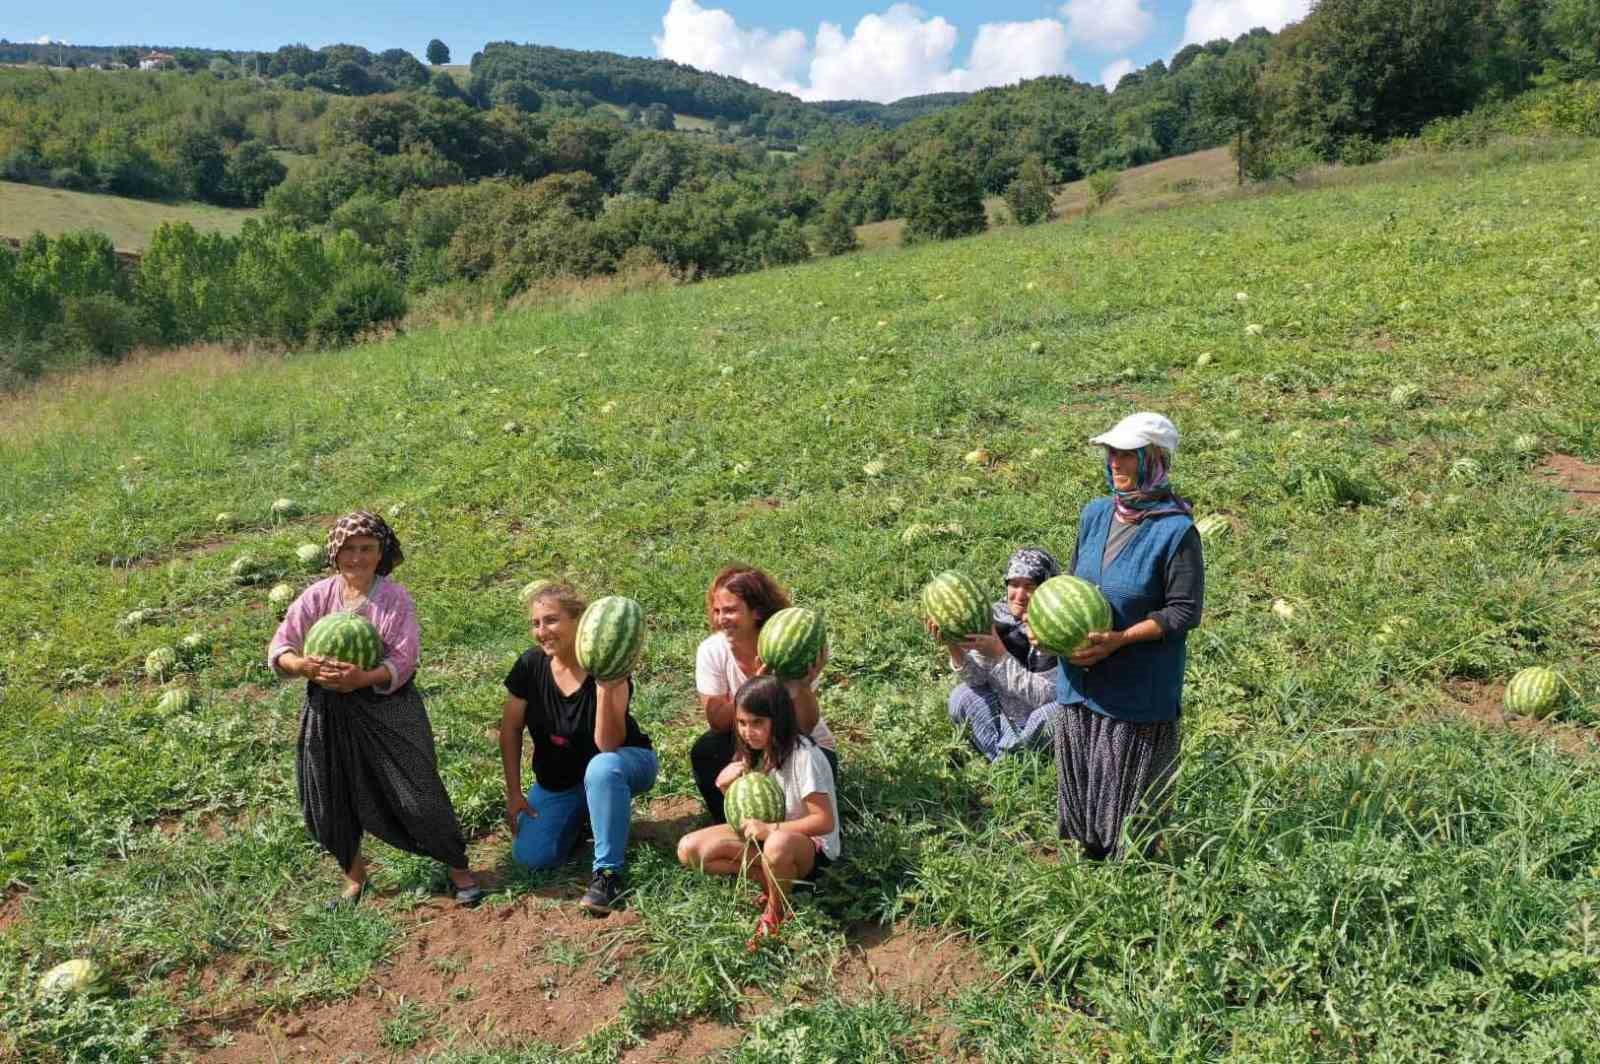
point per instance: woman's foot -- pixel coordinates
(766, 928)
(350, 897)
(468, 892)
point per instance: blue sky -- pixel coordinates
(824, 50)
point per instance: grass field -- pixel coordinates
(27, 209)
(1365, 862)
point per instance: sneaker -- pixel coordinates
(605, 887)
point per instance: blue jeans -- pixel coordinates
(993, 733)
(609, 784)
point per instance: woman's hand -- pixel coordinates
(815, 671)
(343, 678)
(987, 645)
(620, 683)
(730, 772)
(1101, 646)
(933, 630)
(757, 830)
(517, 803)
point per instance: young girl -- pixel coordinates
(806, 840)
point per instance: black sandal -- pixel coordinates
(469, 897)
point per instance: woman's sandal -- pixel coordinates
(468, 897)
(766, 928)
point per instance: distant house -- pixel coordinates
(156, 60)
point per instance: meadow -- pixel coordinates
(29, 209)
(1373, 380)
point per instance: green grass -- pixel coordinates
(1354, 872)
(27, 209)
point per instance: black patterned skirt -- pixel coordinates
(1109, 771)
(366, 763)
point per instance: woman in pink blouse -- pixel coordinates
(366, 760)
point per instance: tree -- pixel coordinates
(1028, 195)
(835, 234)
(444, 86)
(946, 199)
(1573, 28)
(200, 165)
(251, 172)
(128, 57)
(518, 94)
(438, 52)
(659, 116)
(1230, 97)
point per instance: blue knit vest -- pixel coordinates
(1142, 682)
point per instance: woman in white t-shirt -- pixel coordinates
(806, 840)
(738, 603)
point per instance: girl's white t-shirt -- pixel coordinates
(807, 772)
(717, 674)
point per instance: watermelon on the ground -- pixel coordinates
(285, 508)
(177, 700)
(1213, 526)
(610, 637)
(281, 595)
(311, 556)
(160, 662)
(345, 637)
(1533, 692)
(1064, 609)
(954, 602)
(754, 796)
(247, 569)
(77, 976)
(790, 641)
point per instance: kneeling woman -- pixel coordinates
(589, 756)
(365, 760)
(807, 839)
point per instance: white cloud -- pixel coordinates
(710, 39)
(1211, 19)
(47, 39)
(1109, 24)
(1114, 72)
(900, 52)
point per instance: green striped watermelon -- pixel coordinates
(345, 637)
(610, 637)
(1213, 526)
(177, 700)
(161, 662)
(1533, 692)
(954, 603)
(754, 796)
(281, 595)
(78, 976)
(1064, 610)
(791, 640)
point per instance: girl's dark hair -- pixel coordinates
(755, 588)
(765, 696)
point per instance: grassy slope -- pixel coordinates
(26, 209)
(1349, 874)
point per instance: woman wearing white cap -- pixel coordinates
(1117, 738)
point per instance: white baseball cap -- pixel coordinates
(1137, 430)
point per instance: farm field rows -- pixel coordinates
(29, 209)
(1364, 862)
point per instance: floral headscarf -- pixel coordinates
(362, 523)
(1152, 497)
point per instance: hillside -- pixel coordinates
(27, 209)
(1385, 386)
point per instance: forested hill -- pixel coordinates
(631, 81)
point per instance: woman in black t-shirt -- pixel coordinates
(589, 756)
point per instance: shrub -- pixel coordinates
(101, 324)
(834, 233)
(946, 199)
(1028, 195)
(1102, 187)
(367, 297)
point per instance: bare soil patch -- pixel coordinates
(920, 967)
(1483, 705)
(500, 974)
(1579, 479)
(699, 1040)
(666, 820)
(10, 910)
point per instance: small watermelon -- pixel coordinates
(1405, 395)
(532, 588)
(754, 796)
(281, 595)
(193, 644)
(1064, 610)
(790, 642)
(161, 662)
(226, 520)
(135, 618)
(345, 637)
(1213, 526)
(311, 556)
(610, 637)
(177, 700)
(1533, 692)
(954, 602)
(78, 976)
(247, 569)
(285, 508)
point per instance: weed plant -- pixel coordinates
(1352, 870)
